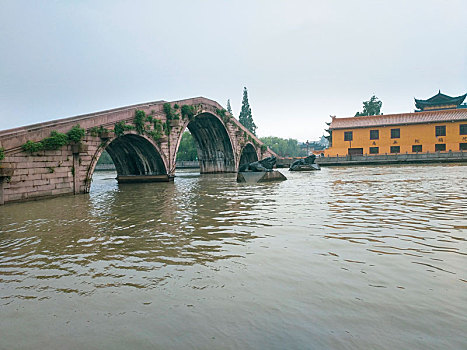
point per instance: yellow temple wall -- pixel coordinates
(414, 134)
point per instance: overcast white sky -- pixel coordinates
(300, 60)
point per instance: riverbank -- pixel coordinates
(417, 158)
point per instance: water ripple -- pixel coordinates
(361, 242)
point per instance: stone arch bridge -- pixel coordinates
(142, 140)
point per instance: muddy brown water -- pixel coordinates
(344, 258)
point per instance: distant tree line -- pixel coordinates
(105, 158)
(187, 149)
(284, 147)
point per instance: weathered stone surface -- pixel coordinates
(64, 185)
(257, 177)
(62, 191)
(306, 167)
(41, 182)
(4, 172)
(21, 171)
(305, 164)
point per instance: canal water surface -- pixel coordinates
(344, 258)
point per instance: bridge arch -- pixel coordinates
(248, 154)
(214, 144)
(136, 158)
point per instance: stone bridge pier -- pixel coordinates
(47, 159)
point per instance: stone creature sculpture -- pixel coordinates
(265, 164)
(308, 161)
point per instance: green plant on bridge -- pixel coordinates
(2, 153)
(55, 141)
(188, 112)
(264, 148)
(221, 112)
(158, 131)
(97, 131)
(167, 128)
(139, 121)
(76, 134)
(170, 112)
(32, 147)
(121, 127)
(158, 126)
(155, 135)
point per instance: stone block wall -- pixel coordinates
(43, 174)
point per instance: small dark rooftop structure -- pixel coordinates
(440, 101)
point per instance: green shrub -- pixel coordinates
(97, 131)
(2, 153)
(167, 128)
(76, 134)
(155, 135)
(221, 112)
(158, 126)
(55, 141)
(31, 146)
(139, 120)
(169, 112)
(264, 148)
(121, 127)
(94, 131)
(188, 112)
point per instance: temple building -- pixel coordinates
(440, 101)
(438, 125)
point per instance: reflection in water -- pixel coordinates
(369, 257)
(138, 229)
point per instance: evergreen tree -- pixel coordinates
(245, 115)
(229, 109)
(371, 107)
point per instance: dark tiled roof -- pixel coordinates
(400, 119)
(439, 100)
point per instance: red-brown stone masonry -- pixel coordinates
(49, 173)
(46, 173)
